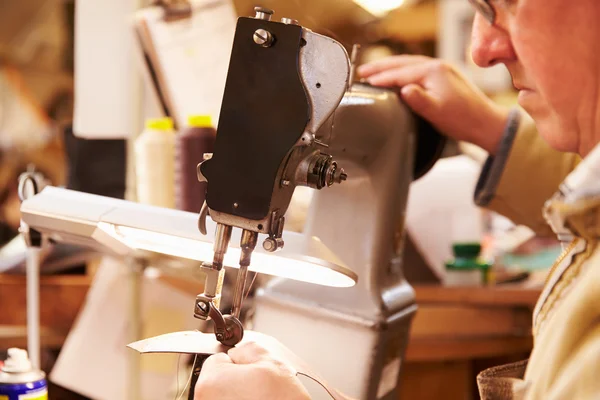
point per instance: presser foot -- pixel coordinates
(228, 329)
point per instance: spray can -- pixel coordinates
(19, 380)
(155, 163)
(191, 144)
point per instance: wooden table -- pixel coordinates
(456, 331)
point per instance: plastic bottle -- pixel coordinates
(155, 163)
(191, 144)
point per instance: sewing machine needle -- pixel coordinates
(247, 245)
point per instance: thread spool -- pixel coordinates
(155, 163)
(190, 145)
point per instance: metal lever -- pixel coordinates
(275, 241)
(353, 59)
(202, 218)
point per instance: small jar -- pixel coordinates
(467, 268)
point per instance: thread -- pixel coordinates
(190, 146)
(155, 163)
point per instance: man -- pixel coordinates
(550, 49)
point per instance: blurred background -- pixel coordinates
(456, 334)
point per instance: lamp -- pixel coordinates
(129, 229)
(379, 8)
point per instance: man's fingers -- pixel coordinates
(248, 353)
(211, 370)
(216, 360)
(418, 100)
(387, 63)
(399, 77)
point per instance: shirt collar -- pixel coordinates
(574, 195)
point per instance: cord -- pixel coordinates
(177, 375)
(250, 286)
(189, 379)
(323, 386)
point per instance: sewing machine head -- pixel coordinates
(283, 86)
(284, 82)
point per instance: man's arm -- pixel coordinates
(522, 175)
(523, 171)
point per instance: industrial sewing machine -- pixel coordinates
(292, 117)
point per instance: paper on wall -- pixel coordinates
(190, 56)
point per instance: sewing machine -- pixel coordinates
(292, 117)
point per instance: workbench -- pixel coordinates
(456, 331)
(61, 297)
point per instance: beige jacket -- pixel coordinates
(565, 362)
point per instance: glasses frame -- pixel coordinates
(484, 8)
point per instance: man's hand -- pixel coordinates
(248, 372)
(439, 93)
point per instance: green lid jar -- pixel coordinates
(467, 268)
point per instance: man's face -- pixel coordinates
(550, 48)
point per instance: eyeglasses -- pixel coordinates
(485, 8)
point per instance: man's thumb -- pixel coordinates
(417, 99)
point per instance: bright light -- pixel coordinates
(300, 267)
(121, 228)
(379, 8)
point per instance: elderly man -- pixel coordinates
(551, 49)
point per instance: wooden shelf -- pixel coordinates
(497, 296)
(469, 323)
(16, 336)
(61, 297)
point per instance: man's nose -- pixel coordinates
(490, 44)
